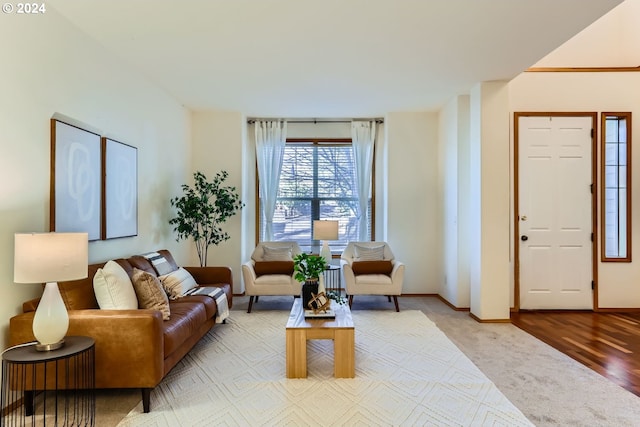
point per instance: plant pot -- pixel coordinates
(309, 287)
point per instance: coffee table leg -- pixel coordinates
(344, 354)
(296, 353)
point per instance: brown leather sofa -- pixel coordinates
(133, 348)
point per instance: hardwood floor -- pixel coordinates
(608, 343)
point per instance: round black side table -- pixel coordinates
(55, 388)
(332, 279)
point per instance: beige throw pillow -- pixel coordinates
(177, 283)
(150, 293)
(113, 288)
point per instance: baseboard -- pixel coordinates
(479, 320)
(451, 306)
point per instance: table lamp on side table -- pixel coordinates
(49, 258)
(325, 230)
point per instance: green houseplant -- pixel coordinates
(202, 209)
(307, 269)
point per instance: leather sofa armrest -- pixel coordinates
(30, 305)
(211, 275)
(129, 343)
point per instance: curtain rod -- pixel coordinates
(316, 121)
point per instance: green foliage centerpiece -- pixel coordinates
(307, 269)
(202, 209)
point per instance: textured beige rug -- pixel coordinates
(407, 373)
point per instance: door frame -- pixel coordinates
(594, 198)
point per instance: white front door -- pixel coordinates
(555, 212)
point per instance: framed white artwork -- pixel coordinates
(120, 163)
(75, 187)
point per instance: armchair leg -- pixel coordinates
(389, 298)
(350, 301)
(395, 300)
(146, 400)
(250, 304)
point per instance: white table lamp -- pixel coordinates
(49, 258)
(325, 231)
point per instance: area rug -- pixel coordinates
(407, 373)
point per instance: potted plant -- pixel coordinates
(308, 267)
(307, 270)
(202, 209)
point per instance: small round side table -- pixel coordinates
(50, 387)
(332, 279)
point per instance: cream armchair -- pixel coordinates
(370, 268)
(270, 271)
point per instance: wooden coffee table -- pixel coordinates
(340, 330)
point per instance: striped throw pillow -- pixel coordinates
(177, 283)
(160, 263)
(276, 254)
(368, 253)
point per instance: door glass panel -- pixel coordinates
(616, 187)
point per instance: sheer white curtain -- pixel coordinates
(363, 135)
(271, 137)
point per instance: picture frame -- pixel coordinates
(120, 189)
(75, 184)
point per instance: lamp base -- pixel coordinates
(325, 252)
(49, 347)
(51, 321)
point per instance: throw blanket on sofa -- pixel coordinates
(217, 294)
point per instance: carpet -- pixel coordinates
(407, 373)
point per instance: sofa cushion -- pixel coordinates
(277, 254)
(273, 267)
(113, 288)
(368, 253)
(372, 267)
(210, 306)
(177, 282)
(150, 293)
(186, 318)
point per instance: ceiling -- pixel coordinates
(329, 58)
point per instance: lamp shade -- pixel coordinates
(50, 257)
(325, 230)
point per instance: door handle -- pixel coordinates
(524, 238)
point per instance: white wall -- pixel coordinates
(454, 180)
(489, 193)
(411, 200)
(218, 144)
(611, 41)
(618, 284)
(49, 67)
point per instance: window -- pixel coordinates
(616, 187)
(317, 181)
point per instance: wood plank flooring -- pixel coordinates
(608, 343)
